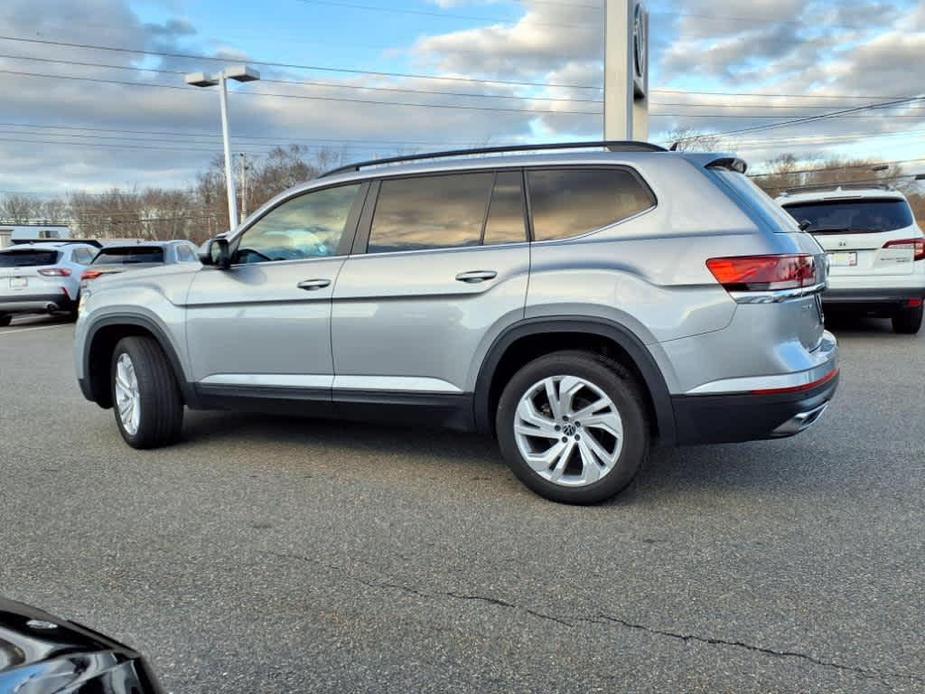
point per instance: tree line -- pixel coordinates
(200, 210)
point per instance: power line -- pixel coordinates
(444, 15)
(296, 66)
(307, 97)
(336, 85)
(211, 134)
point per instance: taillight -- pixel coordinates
(760, 273)
(55, 272)
(90, 274)
(917, 246)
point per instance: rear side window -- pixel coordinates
(505, 223)
(853, 216)
(83, 256)
(28, 258)
(756, 199)
(129, 255)
(185, 254)
(430, 212)
(571, 202)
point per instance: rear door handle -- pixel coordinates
(474, 276)
(312, 285)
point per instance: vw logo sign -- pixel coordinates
(640, 49)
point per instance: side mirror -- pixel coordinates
(216, 253)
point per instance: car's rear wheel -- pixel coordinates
(908, 321)
(146, 400)
(573, 427)
(5, 319)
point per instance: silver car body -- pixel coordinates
(399, 327)
(48, 287)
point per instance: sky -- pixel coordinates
(81, 117)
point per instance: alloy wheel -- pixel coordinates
(568, 431)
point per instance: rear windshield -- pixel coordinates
(853, 216)
(28, 258)
(129, 255)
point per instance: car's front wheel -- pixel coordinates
(908, 321)
(146, 399)
(573, 427)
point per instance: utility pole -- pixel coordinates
(626, 70)
(245, 167)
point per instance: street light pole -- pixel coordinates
(229, 168)
(239, 73)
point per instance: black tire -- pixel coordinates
(161, 404)
(907, 321)
(5, 319)
(615, 382)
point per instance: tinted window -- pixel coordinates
(129, 255)
(430, 212)
(28, 258)
(756, 198)
(505, 223)
(309, 226)
(868, 215)
(570, 202)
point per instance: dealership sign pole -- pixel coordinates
(626, 70)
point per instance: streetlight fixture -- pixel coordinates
(238, 73)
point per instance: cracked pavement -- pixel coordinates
(273, 554)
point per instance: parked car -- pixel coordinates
(118, 258)
(580, 306)
(42, 278)
(41, 654)
(876, 251)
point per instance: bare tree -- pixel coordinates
(691, 140)
(19, 209)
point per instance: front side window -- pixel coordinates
(855, 216)
(308, 226)
(571, 202)
(430, 212)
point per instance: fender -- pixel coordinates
(643, 360)
(87, 385)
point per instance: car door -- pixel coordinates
(440, 268)
(265, 322)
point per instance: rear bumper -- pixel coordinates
(872, 297)
(751, 416)
(36, 303)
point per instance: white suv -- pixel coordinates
(875, 248)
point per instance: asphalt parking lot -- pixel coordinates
(269, 554)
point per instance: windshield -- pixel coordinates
(853, 216)
(129, 255)
(28, 258)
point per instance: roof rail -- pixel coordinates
(612, 145)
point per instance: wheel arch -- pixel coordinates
(531, 338)
(102, 338)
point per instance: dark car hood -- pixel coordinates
(42, 653)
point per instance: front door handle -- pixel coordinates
(474, 276)
(312, 285)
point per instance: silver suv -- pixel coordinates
(579, 305)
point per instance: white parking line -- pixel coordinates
(17, 331)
